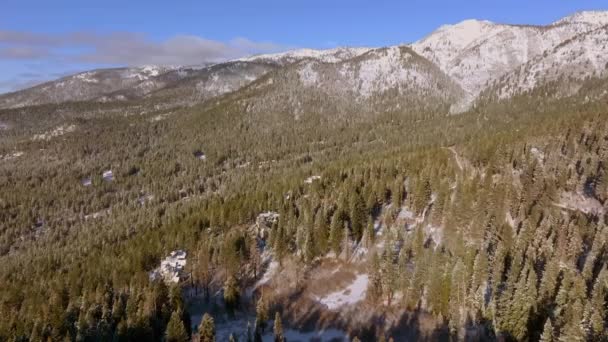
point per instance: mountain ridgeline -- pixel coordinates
(455, 188)
(452, 65)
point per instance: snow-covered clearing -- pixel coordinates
(311, 179)
(352, 294)
(238, 328)
(11, 156)
(58, 131)
(575, 201)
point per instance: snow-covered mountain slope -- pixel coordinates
(564, 67)
(475, 53)
(327, 56)
(454, 64)
(380, 80)
(82, 86)
(203, 84)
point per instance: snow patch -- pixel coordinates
(13, 155)
(86, 77)
(351, 295)
(58, 131)
(308, 76)
(311, 179)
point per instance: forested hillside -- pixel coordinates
(492, 222)
(317, 195)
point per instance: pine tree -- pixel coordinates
(389, 271)
(309, 247)
(358, 214)
(547, 335)
(176, 332)
(278, 329)
(261, 315)
(335, 232)
(321, 233)
(206, 330)
(374, 287)
(231, 294)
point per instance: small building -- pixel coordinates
(200, 155)
(264, 222)
(86, 181)
(107, 175)
(172, 268)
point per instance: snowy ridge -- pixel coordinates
(477, 53)
(583, 56)
(374, 73)
(326, 56)
(596, 18)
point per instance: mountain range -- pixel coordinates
(449, 68)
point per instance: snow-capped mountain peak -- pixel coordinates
(596, 18)
(462, 33)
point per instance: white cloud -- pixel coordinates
(125, 48)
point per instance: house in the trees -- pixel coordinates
(264, 222)
(172, 269)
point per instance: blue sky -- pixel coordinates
(41, 40)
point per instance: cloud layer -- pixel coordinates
(40, 56)
(125, 48)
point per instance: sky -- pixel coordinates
(43, 40)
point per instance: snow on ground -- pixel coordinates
(269, 273)
(405, 213)
(144, 198)
(159, 117)
(58, 131)
(326, 56)
(308, 76)
(311, 179)
(13, 155)
(434, 233)
(538, 154)
(320, 335)
(510, 220)
(574, 201)
(352, 294)
(171, 268)
(238, 327)
(272, 268)
(96, 214)
(87, 77)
